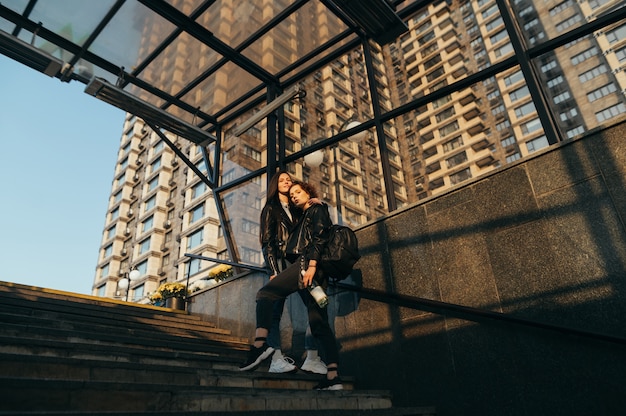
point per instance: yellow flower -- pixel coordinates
(221, 272)
(168, 290)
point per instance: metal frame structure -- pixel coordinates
(207, 128)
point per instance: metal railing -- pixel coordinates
(468, 313)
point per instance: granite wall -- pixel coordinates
(543, 239)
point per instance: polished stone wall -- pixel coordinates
(543, 240)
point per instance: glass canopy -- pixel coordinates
(443, 91)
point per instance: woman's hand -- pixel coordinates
(308, 275)
(272, 276)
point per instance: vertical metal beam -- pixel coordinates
(530, 75)
(380, 131)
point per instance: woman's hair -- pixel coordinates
(272, 188)
(306, 187)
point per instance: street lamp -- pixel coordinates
(124, 283)
(316, 158)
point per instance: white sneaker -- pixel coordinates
(283, 365)
(314, 365)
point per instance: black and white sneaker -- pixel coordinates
(334, 384)
(256, 356)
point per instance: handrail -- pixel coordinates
(468, 313)
(443, 308)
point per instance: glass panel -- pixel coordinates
(179, 64)
(209, 94)
(297, 35)
(462, 135)
(582, 85)
(131, 36)
(335, 95)
(74, 20)
(347, 177)
(242, 207)
(234, 21)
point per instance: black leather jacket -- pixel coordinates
(310, 234)
(275, 229)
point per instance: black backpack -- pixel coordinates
(341, 252)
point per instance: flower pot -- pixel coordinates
(175, 303)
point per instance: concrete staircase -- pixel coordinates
(62, 353)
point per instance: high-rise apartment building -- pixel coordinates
(160, 209)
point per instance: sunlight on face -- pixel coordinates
(298, 196)
(284, 183)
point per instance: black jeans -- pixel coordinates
(283, 285)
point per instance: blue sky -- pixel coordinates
(59, 147)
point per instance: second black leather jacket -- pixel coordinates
(275, 230)
(310, 234)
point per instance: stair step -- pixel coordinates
(44, 394)
(87, 349)
(63, 353)
(113, 331)
(62, 368)
(402, 411)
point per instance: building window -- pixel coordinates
(555, 81)
(519, 93)
(508, 141)
(108, 250)
(196, 214)
(445, 114)
(138, 292)
(583, 56)
(195, 239)
(617, 34)
(142, 267)
(448, 129)
(194, 266)
(144, 246)
(104, 271)
(601, 92)
(513, 157)
(155, 165)
(150, 203)
(564, 96)
(569, 114)
(147, 224)
(153, 183)
(456, 160)
(453, 144)
(115, 213)
(610, 112)
(592, 73)
(569, 22)
(536, 144)
(531, 126)
(198, 190)
(250, 255)
(524, 110)
(111, 232)
(461, 176)
(253, 153)
(575, 131)
(250, 227)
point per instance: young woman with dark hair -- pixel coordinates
(278, 219)
(304, 249)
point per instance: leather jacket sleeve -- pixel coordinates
(270, 225)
